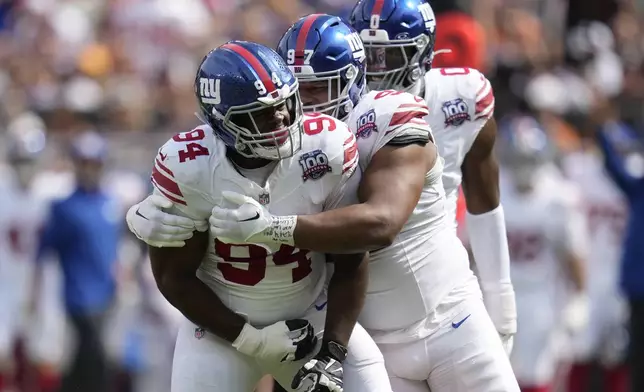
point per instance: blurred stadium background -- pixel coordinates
(125, 68)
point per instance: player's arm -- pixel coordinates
(346, 293)
(614, 160)
(175, 270)
(572, 242)
(485, 217)
(390, 188)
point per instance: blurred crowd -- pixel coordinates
(125, 69)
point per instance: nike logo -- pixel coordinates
(456, 325)
(252, 218)
(163, 156)
(139, 214)
(320, 307)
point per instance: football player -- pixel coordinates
(399, 39)
(21, 218)
(546, 235)
(235, 296)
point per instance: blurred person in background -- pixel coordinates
(547, 238)
(623, 151)
(83, 230)
(21, 216)
(601, 347)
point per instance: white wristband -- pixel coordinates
(248, 340)
(281, 229)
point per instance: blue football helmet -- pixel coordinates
(25, 142)
(328, 58)
(399, 37)
(240, 86)
(523, 146)
(25, 138)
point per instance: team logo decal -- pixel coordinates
(200, 333)
(366, 125)
(264, 199)
(456, 112)
(315, 164)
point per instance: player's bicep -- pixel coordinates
(481, 172)
(395, 177)
(175, 264)
(575, 233)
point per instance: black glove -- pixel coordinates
(322, 373)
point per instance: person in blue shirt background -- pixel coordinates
(624, 161)
(83, 231)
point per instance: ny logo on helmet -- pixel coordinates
(356, 46)
(428, 15)
(209, 91)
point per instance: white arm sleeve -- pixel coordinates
(489, 243)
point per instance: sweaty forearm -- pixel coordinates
(353, 229)
(199, 304)
(346, 295)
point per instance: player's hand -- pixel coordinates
(152, 225)
(250, 222)
(284, 341)
(501, 305)
(322, 373)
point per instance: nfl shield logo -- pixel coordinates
(264, 199)
(200, 333)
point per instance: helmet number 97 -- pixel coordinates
(290, 56)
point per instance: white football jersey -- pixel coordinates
(461, 102)
(265, 286)
(21, 219)
(542, 227)
(606, 215)
(426, 261)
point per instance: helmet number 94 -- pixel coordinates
(290, 56)
(261, 89)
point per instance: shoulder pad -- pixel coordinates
(391, 114)
(330, 136)
(182, 165)
(466, 85)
